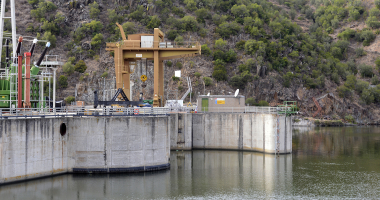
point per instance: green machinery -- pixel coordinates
(9, 93)
(288, 108)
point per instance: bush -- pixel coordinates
(375, 80)
(172, 34)
(197, 74)
(250, 101)
(96, 41)
(104, 75)
(179, 40)
(69, 99)
(68, 68)
(62, 80)
(155, 22)
(349, 118)
(178, 65)
(49, 37)
(169, 63)
(205, 50)
(80, 66)
(94, 10)
(263, 103)
(175, 78)
(240, 45)
(207, 81)
(366, 71)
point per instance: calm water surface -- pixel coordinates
(326, 163)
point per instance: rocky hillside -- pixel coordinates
(273, 51)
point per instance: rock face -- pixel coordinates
(267, 84)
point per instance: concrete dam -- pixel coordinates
(37, 147)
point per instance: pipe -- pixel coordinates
(27, 80)
(32, 48)
(19, 84)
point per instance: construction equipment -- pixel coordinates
(149, 47)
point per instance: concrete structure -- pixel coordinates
(221, 103)
(32, 148)
(267, 133)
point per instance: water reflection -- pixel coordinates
(326, 163)
(205, 174)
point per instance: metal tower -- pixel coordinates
(13, 22)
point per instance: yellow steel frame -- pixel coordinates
(127, 50)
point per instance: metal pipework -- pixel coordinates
(27, 80)
(19, 84)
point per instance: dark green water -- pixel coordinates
(326, 163)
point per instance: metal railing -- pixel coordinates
(71, 111)
(153, 44)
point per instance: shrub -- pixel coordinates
(50, 37)
(69, 99)
(94, 10)
(62, 80)
(349, 118)
(80, 66)
(175, 78)
(155, 22)
(375, 80)
(179, 40)
(197, 74)
(207, 81)
(250, 101)
(180, 87)
(205, 50)
(240, 45)
(104, 75)
(263, 103)
(97, 41)
(169, 63)
(68, 68)
(172, 34)
(178, 65)
(366, 71)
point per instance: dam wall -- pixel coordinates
(37, 147)
(267, 133)
(33, 148)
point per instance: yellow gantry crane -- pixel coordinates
(149, 47)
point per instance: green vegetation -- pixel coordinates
(104, 75)
(197, 74)
(80, 66)
(69, 99)
(207, 81)
(62, 80)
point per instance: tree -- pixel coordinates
(207, 81)
(113, 17)
(96, 41)
(190, 5)
(94, 27)
(179, 40)
(68, 68)
(205, 50)
(366, 71)
(171, 34)
(155, 22)
(202, 14)
(80, 66)
(220, 72)
(189, 23)
(227, 29)
(94, 10)
(240, 11)
(62, 80)
(50, 37)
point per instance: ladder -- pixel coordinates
(13, 23)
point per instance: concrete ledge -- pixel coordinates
(122, 170)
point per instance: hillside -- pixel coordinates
(273, 51)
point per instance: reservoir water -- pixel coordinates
(326, 163)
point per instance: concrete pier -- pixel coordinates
(32, 148)
(267, 133)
